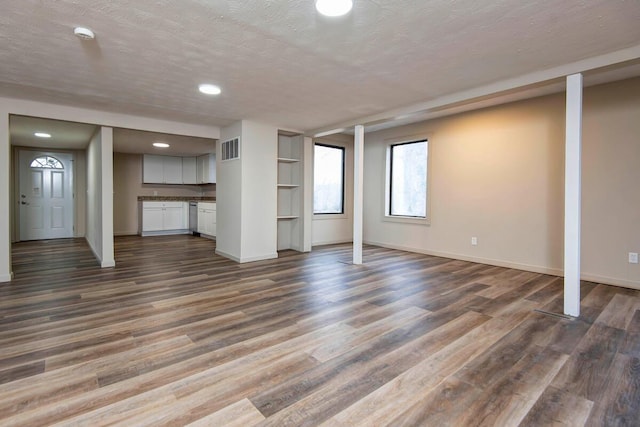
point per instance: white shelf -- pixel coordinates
(287, 217)
(288, 185)
(287, 160)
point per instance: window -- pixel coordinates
(408, 179)
(328, 179)
(46, 162)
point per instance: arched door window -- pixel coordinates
(46, 162)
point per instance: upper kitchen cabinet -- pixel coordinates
(206, 167)
(189, 170)
(161, 169)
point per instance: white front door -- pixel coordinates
(46, 195)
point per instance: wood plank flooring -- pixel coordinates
(175, 335)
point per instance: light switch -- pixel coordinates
(633, 257)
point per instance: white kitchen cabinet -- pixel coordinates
(207, 218)
(152, 169)
(161, 169)
(152, 217)
(206, 168)
(165, 218)
(189, 170)
(172, 170)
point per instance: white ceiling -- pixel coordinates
(279, 62)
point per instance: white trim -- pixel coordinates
(331, 242)
(610, 281)
(515, 265)
(164, 232)
(386, 202)
(320, 217)
(107, 264)
(6, 278)
(480, 260)
(246, 259)
(95, 254)
(227, 255)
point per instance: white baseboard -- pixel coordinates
(610, 281)
(480, 260)
(247, 259)
(259, 257)
(331, 242)
(103, 263)
(518, 266)
(164, 233)
(6, 277)
(227, 255)
(125, 233)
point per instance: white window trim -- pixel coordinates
(346, 207)
(387, 187)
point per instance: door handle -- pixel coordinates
(23, 203)
(23, 196)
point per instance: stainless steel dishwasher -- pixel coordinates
(193, 218)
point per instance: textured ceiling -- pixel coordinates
(279, 62)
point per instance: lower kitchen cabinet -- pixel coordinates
(207, 218)
(165, 218)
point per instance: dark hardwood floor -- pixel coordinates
(175, 335)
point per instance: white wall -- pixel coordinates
(259, 191)
(228, 196)
(329, 229)
(497, 174)
(5, 194)
(246, 193)
(99, 233)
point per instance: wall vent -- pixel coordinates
(231, 149)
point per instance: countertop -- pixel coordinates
(176, 199)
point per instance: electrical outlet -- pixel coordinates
(633, 257)
(155, 192)
(474, 241)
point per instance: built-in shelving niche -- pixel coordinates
(290, 192)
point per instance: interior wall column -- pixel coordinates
(358, 176)
(572, 195)
(108, 256)
(5, 202)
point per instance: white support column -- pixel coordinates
(572, 195)
(6, 204)
(358, 175)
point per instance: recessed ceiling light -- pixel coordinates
(84, 33)
(42, 135)
(161, 144)
(334, 7)
(209, 89)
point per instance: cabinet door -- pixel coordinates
(212, 223)
(172, 170)
(211, 176)
(152, 169)
(189, 169)
(201, 221)
(152, 219)
(173, 218)
(202, 167)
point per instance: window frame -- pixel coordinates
(387, 216)
(331, 215)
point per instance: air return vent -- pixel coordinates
(231, 149)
